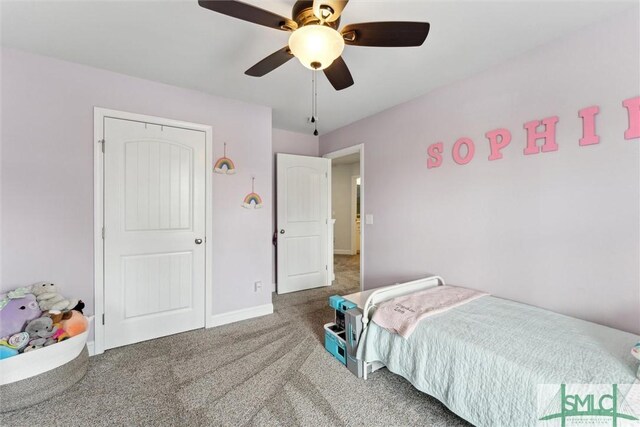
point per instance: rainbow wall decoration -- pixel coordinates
(224, 164)
(253, 199)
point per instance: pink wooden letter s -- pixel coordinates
(498, 139)
(588, 115)
(435, 155)
(549, 135)
(471, 149)
(633, 110)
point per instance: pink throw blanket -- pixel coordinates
(401, 315)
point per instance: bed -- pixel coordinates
(485, 359)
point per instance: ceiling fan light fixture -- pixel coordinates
(316, 46)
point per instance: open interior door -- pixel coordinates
(302, 222)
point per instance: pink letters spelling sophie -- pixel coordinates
(540, 136)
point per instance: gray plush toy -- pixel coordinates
(42, 327)
(35, 344)
(49, 298)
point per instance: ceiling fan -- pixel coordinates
(315, 39)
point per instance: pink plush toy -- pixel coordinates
(17, 313)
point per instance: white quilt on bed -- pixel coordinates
(485, 359)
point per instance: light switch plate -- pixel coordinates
(368, 219)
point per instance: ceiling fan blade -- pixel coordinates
(270, 63)
(338, 74)
(328, 10)
(248, 12)
(386, 34)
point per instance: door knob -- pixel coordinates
(282, 231)
(198, 241)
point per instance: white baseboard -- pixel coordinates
(91, 346)
(220, 319)
(238, 315)
(342, 252)
(273, 287)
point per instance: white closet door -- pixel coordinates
(303, 226)
(154, 231)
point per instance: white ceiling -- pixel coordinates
(180, 43)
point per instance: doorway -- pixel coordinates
(347, 202)
(152, 210)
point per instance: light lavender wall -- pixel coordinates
(288, 142)
(558, 230)
(47, 175)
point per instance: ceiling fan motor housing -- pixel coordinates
(302, 13)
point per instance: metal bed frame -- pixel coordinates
(384, 294)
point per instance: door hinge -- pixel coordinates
(326, 267)
(103, 318)
(101, 142)
(102, 233)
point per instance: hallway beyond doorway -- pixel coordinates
(347, 271)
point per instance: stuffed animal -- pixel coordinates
(13, 345)
(42, 327)
(14, 294)
(35, 344)
(6, 351)
(55, 315)
(17, 341)
(69, 324)
(79, 307)
(75, 324)
(49, 298)
(58, 316)
(59, 334)
(17, 313)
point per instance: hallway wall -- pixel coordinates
(341, 175)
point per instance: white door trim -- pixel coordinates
(99, 115)
(358, 148)
(354, 214)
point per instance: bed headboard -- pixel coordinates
(393, 291)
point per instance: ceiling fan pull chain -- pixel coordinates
(315, 102)
(313, 113)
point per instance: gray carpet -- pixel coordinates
(267, 371)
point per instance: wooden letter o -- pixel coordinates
(471, 149)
